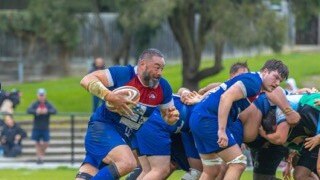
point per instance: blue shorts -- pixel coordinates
(134, 142)
(100, 139)
(153, 140)
(205, 133)
(38, 135)
(189, 146)
(236, 128)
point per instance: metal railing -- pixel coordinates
(74, 121)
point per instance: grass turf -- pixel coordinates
(69, 173)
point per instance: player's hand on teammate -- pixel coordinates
(121, 104)
(222, 138)
(171, 115)
(307, 90)
(312, 142)
(191, 98)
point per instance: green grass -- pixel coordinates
(67, 95)
(68, 173)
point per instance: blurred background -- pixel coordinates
(52, 45)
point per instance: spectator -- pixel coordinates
(11, 137)
(98, 64)
(41, 109)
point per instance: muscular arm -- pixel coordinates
(280, 136)
(96, 83)
(234, 93)
(278, 98)
(202, 91)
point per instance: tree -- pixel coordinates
(307, 14)
(58, 24)
(236, 22)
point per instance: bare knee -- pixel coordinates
(238, 166)
(126, 166)
(299, 175)
(161, 171)
(86, 170)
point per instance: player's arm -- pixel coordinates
(278, 97)
(234, 93)
(97, 82)
(202, 91)
(280, 136)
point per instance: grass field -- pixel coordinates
(67, 173)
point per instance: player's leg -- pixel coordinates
(112, 151)
(160, 167)
(135, 150)
(204, 130)
(266, 160)
(154, 150)
(306, 164)
(235, 160)
(192, 155)
(145, 166)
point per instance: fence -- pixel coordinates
(66, 145)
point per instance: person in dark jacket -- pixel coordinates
(98, 64)
(11, 137)
(41, 109)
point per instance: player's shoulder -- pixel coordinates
(164, 83)
(121, 68)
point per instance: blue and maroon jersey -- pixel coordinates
(250, 84)
(150, 98)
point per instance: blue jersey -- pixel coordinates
(150, 98)
(153, 138)
(250, 84)
(262, 103)
(181, 125)
(185, 112)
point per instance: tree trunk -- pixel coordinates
(63, 60)
(123, 50)
(100, 25)
(191, 37)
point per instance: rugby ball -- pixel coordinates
(129, 92)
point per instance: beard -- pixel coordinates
(148, 80)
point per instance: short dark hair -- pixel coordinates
(149, 53)
(269, 121)
(276, 65)
(238, 65)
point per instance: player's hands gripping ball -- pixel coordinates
(122, 99)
